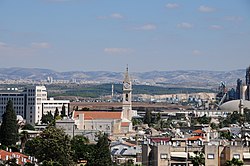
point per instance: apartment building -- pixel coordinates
(31, 103)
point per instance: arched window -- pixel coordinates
(126, 97)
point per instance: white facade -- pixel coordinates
(31, 103)
(127, 98)
(51, 105)
(18, 102)
(105, 125)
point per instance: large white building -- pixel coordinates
(31, 103)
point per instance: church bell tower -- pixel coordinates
(127, 97)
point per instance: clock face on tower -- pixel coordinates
(126, 85)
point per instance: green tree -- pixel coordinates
(226, 135)
(198, 159)
(51, 145)
(204, 119)
(213, 125)
(48, 118)
(56, 115)
(102, 156)
(136, 121)
(29, 164)
(51, 163)
(158, 117)
(224, 122)
(234, 162)
(24, 138)
(28, 127)
(9, 127)
(63, 112)
(148, 117)
(247, 114)
(128, 163)
(235, 117)
(80, 147)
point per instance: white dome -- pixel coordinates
(233, 105)
(19, 118)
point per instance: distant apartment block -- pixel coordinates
(31, 103)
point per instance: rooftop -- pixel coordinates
(91, 115)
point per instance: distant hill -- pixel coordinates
(189, 78)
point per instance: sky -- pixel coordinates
(106, 35)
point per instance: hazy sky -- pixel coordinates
(88, 35)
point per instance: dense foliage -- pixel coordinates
(235, 118)
(54, 148)
(81, 149)
(234, 162)
(102, 156)
(204, 119)
(63, 112)
(148, 117)
(51, 145)
(9, 127)
(198, 159)
(28, 127)
(47, 118)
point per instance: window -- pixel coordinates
(164, 156)
(126, 97)
(236, 156)
(210, 156)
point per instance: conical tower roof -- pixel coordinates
(126, 76)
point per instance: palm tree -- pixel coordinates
(234, 162)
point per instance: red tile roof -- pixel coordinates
(90, 115)
(194, 138)
(19, 156)
(159, 139)
(124, 124)
(199, 131)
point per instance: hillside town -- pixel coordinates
(208, 130)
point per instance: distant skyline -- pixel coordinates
(106, 35)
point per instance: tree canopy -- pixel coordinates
(9, 127)
(102, 155)
(52, 145)
(198, 159)
(204, 119)
(56, 115)
(148, 117)
(28, 127)
(234, 162)
(80, 147)
(47, 118)
(63, 112)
